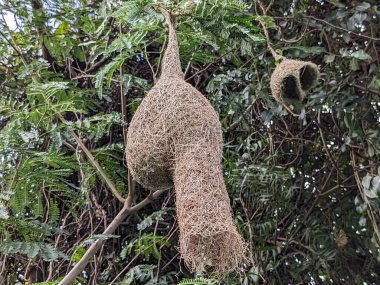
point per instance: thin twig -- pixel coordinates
(125, 269)
(161, 55)
(91, 251)
(94, 162)
(91, 76)
(370, 211)
(264, 9)
(170, 261)
(123, 102)
(343, 29)
(365, 89)
(210, 64)
(329, 24)
(332, 160)
(77, 139)
(150, 65)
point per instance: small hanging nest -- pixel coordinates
(175, 139)
(292, 79)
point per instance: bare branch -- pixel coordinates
(95, 163)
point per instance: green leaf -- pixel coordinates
(197, 281)
(32, 249)
(47, 283)
(361, 54)
(371, 193)
(329, 58)
(94, 238)
(106, 73)
(354, 64)
(4, 213)
(79, 251)
(62, 29)
(362, 6)
(141, 272)
(149, 220)
(366, 181)
(306, 50)
(375, 83)
(371, 151)
(376, 184)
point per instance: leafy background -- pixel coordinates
(304, 189)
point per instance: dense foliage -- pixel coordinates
(304, 186)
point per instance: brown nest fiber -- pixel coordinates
(175, 139)
(292, 79)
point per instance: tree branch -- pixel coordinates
(264, 9)
(76, 137)
(124, 212)
(94, 162)
(370, 211)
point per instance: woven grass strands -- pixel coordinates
(291, 80)
(175, 139)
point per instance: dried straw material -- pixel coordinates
(341, 240)
(175, 139)
(292, 79)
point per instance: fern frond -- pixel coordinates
(53, 213)
(38, 208)
(47, 90)
(197, 281)
(94, 238)
(130, 10)
(4, 213)
(32, 249)
(106, 73)
(47, 283)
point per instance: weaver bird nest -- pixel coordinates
(292, 79)
(175, 139)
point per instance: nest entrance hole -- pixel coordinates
(308, 75)
(290, 89)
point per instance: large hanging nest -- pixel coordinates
(292, 79)
(175, 139)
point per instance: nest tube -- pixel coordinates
(291, 80)
(175, 139)
(208, 236)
